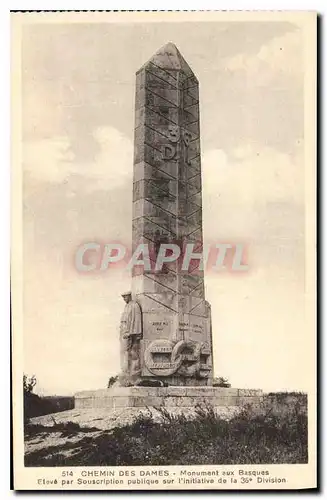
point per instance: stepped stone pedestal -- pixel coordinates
(181, 397)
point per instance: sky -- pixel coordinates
(78, 85)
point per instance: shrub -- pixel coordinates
(112, 381)
(220, 382)
(35, 406)
(28, 384)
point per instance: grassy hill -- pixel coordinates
(275, 432)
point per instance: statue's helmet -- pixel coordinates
(126, 294)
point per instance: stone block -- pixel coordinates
(149, 285)
(225, 391)
(173, 396)
(160, 86)
(189, 101)
(143, 391)
(193, 127)
(82, 403)
(186, 401)
(139, 117)
(194, 92)
(231, 400)
(106, 402)
(122, 401)
(200, 391)
(224, 401)
(173, 391)
(147, 401)
(163, 74)
(140, 78)
(170, 401)
(170, 95)
(254, 400)
(250, 392)
(200, 310)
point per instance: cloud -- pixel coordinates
(257, 98)
(259, 324)
(252, 174)
(257, 196)
(281, 56)
(71, 325)
(51, 161)
(70, 317)
(47, 160)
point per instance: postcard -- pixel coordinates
(164, 250)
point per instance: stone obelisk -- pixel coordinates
(176, 345)
(167, 208)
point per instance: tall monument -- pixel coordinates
(165, 328)
(167, 208)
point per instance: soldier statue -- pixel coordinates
(130, 337)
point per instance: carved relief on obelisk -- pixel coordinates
(167, 208)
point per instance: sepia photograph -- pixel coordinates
(163, 250)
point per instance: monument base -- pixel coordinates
(172, 396)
